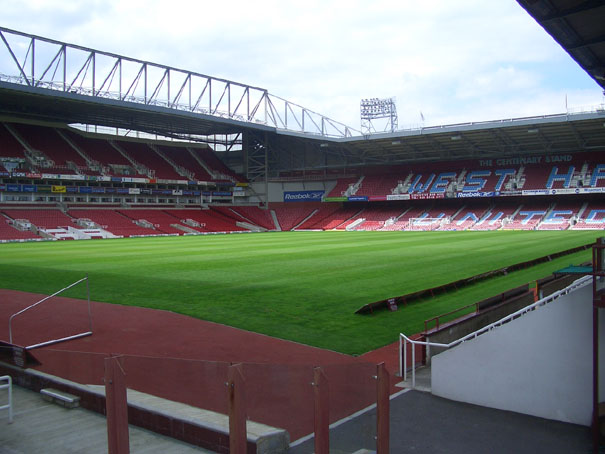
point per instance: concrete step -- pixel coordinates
(60, 398)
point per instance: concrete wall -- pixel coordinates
(491, 315)
(539, 364)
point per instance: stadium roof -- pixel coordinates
(578, 26)
(45, 79)
(33, 103)
(564, 133)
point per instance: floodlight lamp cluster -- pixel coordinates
(374, 109)
(377, 108)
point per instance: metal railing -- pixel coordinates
(438, 318)
(9, 405)
(404, 340)
(54, 341)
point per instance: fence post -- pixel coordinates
(401, 357)
(382, 409)
(413, 364)
(237, 410)
(322, 411)
(116, 407)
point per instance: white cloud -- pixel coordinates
(454, 61)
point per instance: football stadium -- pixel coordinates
(207, 267)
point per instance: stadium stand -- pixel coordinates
(187, 160)
(442, 215)
(331, 218)
(376, 218)
(58, 155)
(8, 232)
(254, 215)
(591, 217)
(220, 170)
(403, 222)
(48, 223)
(467, 216)
(144, 154)
(377, 185)
(112, 221)
(560, 216)
(493, 219)
(457, 195)
(342, 185)
(158, 220)
(9, 145)
(210, 220)
(291, 215)
(107, 160)
(527, 216)
(43, 219)
(315, 220)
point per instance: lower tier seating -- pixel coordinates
(483, 215)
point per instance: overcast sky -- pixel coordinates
(453, 60)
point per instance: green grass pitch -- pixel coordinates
(302, 286)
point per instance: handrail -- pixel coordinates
(438, 317)
(403, 339)
(54, 341)
(9, 405)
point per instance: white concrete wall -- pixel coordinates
(539, 364)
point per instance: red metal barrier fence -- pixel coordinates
(302, 399)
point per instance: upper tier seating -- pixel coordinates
(536, 177)
(342, 184)
(103, 153)
(376, 185)
(144, 154)
(215, 163)
(183, 157)
(9, 145)
(51, 144)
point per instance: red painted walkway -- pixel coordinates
(184, 359)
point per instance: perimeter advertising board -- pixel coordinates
(303, 196)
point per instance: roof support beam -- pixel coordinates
(586, 6)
